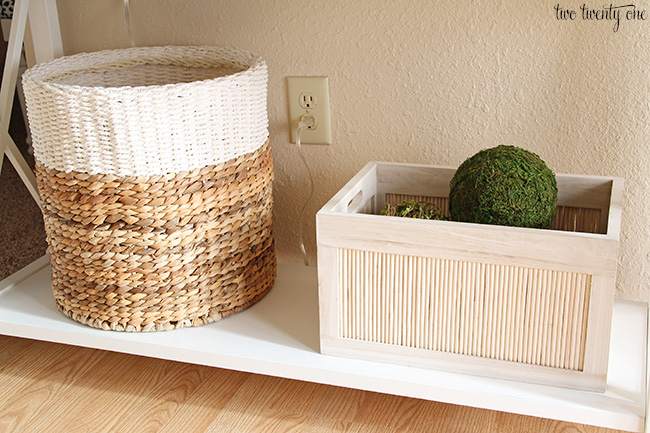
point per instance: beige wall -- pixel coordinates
(428, 82)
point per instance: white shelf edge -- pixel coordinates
(24, 273)
(279, 337)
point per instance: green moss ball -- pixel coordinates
(504, 185)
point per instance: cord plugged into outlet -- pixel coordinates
(306, 121)
(309, 122)
(309, 98)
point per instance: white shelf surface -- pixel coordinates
(279, 337)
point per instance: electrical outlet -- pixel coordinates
(309, 96)
(307, 100)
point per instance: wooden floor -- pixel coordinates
(47, 387)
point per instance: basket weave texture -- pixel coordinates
(164, 229)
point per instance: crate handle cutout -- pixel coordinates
(355, 203)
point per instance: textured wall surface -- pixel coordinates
(426, 82)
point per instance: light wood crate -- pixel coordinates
(525, 304)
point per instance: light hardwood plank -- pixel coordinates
(470, 420)
(512, 423)
(158, 406)
(111, 397)
(31, 402)
(207, 401)
(564, 427)
(402, 414)
(341, 404)
(244, 410)
(10, 352)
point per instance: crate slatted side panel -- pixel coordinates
(568, 218)
(494, 311)
(576, 219)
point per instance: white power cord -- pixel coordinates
(305, 122)
(127, 17)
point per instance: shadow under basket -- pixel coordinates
(515, 303)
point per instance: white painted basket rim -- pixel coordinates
(147, 110)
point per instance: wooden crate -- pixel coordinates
(516, 303)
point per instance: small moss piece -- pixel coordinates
(415, 209)
(504, 185)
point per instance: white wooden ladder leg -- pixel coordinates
(46, 36)
(7, 92)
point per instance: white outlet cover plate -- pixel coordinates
(318, 87)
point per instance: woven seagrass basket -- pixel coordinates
(155, 173)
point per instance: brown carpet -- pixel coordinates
(22, 237)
